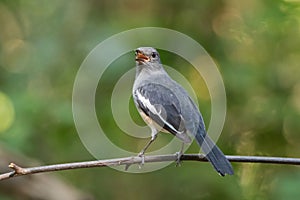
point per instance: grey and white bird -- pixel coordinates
(166, 106)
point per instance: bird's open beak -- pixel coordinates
(141, 58)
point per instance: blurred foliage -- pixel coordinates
(255, 43)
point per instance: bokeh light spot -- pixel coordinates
(7, 112)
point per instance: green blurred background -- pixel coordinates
(255, 43)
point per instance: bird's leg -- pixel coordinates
(179, 154)
(153, 137)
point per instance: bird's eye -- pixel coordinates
(153, 55)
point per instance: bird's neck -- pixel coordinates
(145, 75)
(146, 70)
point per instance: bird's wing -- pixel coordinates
(162, 106)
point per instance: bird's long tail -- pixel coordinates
(214, 155)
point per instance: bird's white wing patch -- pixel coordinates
(156, 109)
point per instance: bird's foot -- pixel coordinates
(178, 160)
(142, 155)
(179, 154)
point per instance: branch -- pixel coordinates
(20, 171)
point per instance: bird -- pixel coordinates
(165, 106)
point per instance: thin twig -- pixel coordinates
(20, 171)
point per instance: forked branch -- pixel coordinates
(20, 171)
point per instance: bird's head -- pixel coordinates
(145, 55)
